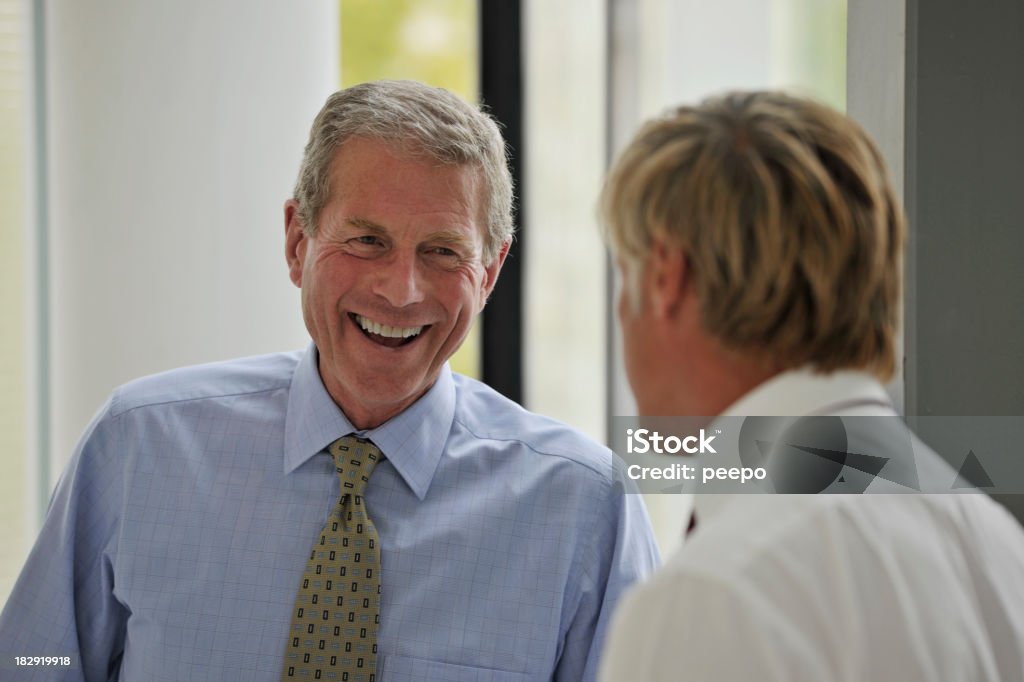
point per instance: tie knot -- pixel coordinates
(354, 460)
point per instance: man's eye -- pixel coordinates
(366, 246)
(366, 243)
(444, 251)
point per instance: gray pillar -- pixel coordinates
(940, 86)
(965, 167)
(964, 196)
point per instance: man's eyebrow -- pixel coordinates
(450, 237)
(364, 224)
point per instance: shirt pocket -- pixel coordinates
(409, 669)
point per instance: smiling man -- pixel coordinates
(394, 274)
(354, 511)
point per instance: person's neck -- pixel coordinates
(365, 415)
(717, 378)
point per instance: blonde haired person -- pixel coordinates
(761, 246)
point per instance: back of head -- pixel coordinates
(792, 232)
(421, 121)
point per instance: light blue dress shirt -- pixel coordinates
(178, 535)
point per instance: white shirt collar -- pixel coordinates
(797, 393)
(802, 391)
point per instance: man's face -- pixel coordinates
(393, 278)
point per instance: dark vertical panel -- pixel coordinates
(965, 165)
(965, 161)
(501, 89)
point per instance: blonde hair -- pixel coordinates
(791, 230)
(420, 120)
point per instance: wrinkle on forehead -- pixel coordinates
(467, 186)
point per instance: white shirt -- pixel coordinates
(830, 587)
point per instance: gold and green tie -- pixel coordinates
(337, 611)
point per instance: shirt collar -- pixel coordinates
(796, 393)
(803, 391)
(412, 440)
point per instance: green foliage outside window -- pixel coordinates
(434, 41)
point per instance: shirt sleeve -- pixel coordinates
(621, 551)
(63, 603)
(695, 627)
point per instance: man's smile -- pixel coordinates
(386, 335)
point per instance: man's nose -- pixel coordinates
(399, 280)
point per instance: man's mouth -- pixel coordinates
(386, 335)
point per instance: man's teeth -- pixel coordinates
(385, 330)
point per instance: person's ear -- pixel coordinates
(492, 271)
(667, 275)
(295, 241)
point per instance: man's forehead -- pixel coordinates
(407, 149)
(363, 165)
(371, 152)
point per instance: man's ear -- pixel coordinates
(295, 241)
(491, 273)
(667, 275)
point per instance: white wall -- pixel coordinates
(175, 130)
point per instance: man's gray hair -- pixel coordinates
(420, 120)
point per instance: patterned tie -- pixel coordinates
(337, 610)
